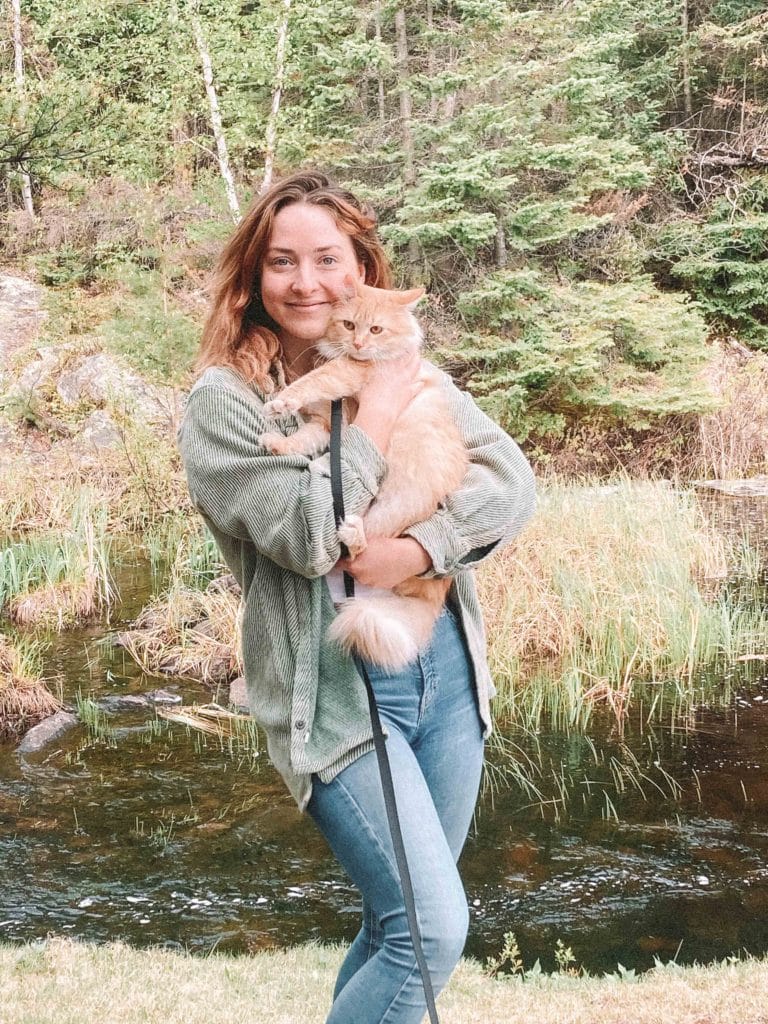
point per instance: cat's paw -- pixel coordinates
(352, 534)
(280, 407)
(275, 443)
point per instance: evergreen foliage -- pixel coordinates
(565, 175)
(624, 351)
(723, 262)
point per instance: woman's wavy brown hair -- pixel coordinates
(238, 331)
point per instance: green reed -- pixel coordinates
(59, 574)
(181, 547)
(614, 595)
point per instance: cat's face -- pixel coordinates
(372, 324)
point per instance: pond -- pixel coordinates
(626, 846)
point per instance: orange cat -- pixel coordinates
(426, 460)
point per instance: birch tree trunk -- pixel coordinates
(500, 244)
(379, 75)
(218, 130)
(451, 98)
(18, 62)
(406, 106)
(431, 62)
(271, 134)
(686, 70)
(406, 117)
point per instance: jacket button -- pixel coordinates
(299, 724)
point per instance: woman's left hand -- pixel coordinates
(387, 561)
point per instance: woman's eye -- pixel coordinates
(375, 329)
(280, 261)
(348, 324)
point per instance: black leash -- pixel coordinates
(378, 738)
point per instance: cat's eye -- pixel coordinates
(375, 329)
(348, 324)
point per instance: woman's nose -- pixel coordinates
(304, 279)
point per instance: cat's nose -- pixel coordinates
(358, 343)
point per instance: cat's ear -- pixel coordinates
(412, 297)
(351, 287)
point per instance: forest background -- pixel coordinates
(583, 187)
(582, 184)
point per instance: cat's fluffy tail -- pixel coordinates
(389, 630)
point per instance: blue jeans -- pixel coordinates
(435, 748)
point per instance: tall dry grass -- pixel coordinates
(188, 632)
(24, 697)
(733, 441)
(611, 585)
(729, 442)
(61, 509)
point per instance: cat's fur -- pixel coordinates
(426, 460)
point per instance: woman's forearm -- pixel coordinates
(388, 561)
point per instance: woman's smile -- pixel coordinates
(303, 273)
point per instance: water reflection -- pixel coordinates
(652, 843)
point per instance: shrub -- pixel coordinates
(545, 354)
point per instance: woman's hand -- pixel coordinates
(387, 561)
(390, 388)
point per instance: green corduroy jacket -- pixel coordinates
(272, 518)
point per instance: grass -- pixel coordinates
(135, 485)
(94, 718)
(53, 579)
(60, 511)
(615, 595)
(24, 697)
(192, 628)
(733, 441)
(188, 632)
(149, 328)
(62, 982)
(183, 547)
(577, 777)
(613, 587)
(215, 721)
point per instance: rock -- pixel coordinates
(100, 431)
(163, 697)
(38, 373)
(205, 628)
(238, 697)
(754, 487)
(99, 378)
(20, 313)
(124, 702)
(46, 732)
(223, 585)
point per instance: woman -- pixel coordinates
(272, 517)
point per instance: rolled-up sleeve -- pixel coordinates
(281, 503)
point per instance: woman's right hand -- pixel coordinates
(389, 390)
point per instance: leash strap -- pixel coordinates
(379, 743)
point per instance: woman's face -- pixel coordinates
(303, 273)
